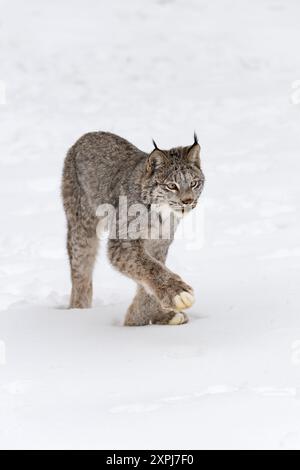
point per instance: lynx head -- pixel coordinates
(174, 178)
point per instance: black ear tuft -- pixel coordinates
(193, 154)
(154, 143)
(195, 138)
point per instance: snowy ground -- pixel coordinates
(231, 377)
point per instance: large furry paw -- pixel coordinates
(179, 319)
(184, 300)
(175, 295)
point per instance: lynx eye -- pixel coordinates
(172, 186)
(195, 184)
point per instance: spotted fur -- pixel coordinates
(99, 168)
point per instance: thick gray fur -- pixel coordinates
(99, 168)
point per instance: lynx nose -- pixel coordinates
(187, 200)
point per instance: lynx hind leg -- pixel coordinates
(82, 249)
(82, 240)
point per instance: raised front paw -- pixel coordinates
(175, 295)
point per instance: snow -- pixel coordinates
(231, 377)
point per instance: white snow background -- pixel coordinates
(142, 69)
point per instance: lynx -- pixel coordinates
(99, 169)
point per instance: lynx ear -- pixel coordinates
(193, 154)
(156, 159)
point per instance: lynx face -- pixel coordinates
(174, 178)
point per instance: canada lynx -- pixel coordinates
(99, 169)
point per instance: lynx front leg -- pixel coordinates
(145, 309)
(167, 288)
(139, 312)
